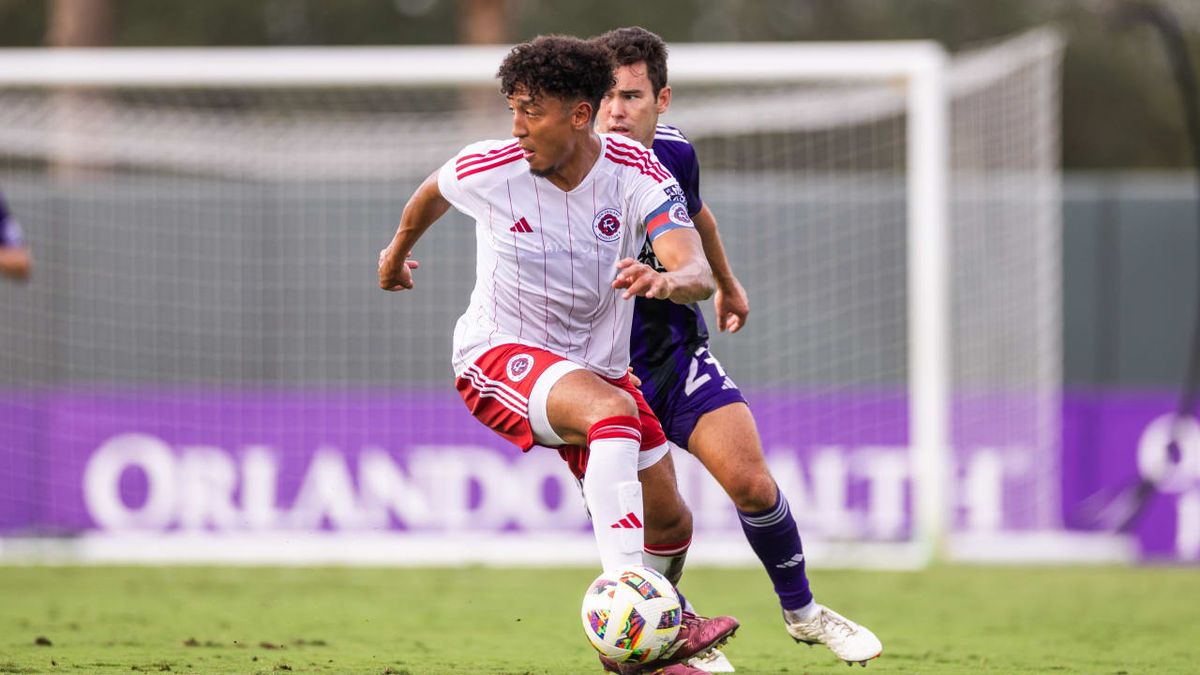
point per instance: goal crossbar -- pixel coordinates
(708, 63)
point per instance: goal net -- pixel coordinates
(202, 355)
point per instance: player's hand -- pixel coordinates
(637, 381)
(731, 305)
(393, 276)
(640, 279)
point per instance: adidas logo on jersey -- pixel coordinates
(521, 225)
(628, 522)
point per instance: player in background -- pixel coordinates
(16, 261)
(542, 351)
(700, 407)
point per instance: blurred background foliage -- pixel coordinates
(1120, 109)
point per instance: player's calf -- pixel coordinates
(668, 520)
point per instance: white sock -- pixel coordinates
(807, 612)
(667, 559)
(612, 491)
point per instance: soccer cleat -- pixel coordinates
(712, 662)
(611, 666)
(697, 637)
(848, 641)
(679, 669)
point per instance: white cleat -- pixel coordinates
(848, 641)
(713, 662)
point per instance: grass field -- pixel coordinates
(255, 620)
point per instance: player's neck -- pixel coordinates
(571, 173)
(648, 140)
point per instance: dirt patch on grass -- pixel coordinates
(193, 642)
(310, 643)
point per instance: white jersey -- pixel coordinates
(545, 259)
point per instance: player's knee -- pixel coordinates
(753, 492)
(614, 403)
(670, 524)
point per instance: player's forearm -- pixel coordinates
(423, 209)
(714, 249)
(691, 282)
(688, 277)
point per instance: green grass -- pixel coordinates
(248, 620)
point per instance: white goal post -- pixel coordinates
(851, 83)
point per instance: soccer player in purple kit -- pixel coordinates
(699, 406)
(15, 259)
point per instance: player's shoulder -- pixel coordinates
(674, 150)
(627, 155)
(486, 159)
(670, 134)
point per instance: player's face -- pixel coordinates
(630, 108)
(546, 129)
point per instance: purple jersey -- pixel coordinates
(10, 232)
(662, 326)
(681, 380)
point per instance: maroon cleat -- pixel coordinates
(611, 666)
(697, 637)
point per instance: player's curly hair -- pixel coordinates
(560, 66)
(631, 44)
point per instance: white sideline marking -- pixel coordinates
(467, 548)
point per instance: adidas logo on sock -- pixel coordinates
(628, 522)
(791, 562)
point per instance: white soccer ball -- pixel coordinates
(631, 614)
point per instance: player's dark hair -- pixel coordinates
(560, 66)
(629, 45)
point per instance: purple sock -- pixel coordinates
(776, 541)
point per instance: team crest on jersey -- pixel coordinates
(518, 367)
(679, 215)
(675, 194)
(607, 225)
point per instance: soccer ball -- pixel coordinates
(631, 614)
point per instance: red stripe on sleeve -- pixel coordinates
(488, 167)
(485, 155)
(642, 170)
(643, 156)
(658, 221)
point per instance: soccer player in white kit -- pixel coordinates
(542, 351)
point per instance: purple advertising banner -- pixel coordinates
(416, 461)
(1130, 465)
(176, 460)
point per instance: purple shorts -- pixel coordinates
(685, 386)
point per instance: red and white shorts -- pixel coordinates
(507, 388)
